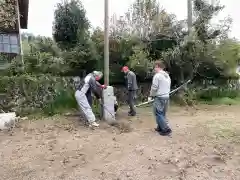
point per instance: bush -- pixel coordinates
(64, 100)
(210, 94)
(28, 94)
(25, 94)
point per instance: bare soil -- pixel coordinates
(205, 145)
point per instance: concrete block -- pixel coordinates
(108, 104)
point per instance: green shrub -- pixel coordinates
(210, 94)
(64, 100)
(96, 107)
(30, 93)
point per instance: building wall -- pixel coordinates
(10, 41)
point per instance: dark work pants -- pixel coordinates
(131, 102)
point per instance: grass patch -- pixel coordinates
(63, 101)
(219, 96)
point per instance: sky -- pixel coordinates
(41, 13)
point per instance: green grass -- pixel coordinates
(62, 102)
(223, 101)
(218, 96)
(65, 102)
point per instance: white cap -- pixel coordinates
(98, 73)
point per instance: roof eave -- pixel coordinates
(23, 10)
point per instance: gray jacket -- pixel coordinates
(161, 85)
(88, 85)
(131, 81)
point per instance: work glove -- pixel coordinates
(150, 99)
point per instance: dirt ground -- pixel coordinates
(205, 145)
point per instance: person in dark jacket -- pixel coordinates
(131, 84)
(83, 94)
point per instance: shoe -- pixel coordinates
(94, 124)
(165, 133)
(131, 114)
(158, 129)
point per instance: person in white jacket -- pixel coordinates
(160, 90)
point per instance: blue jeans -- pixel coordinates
(160, 106)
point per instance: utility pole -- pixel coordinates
(189, 7)
(19, 35)
(106, 43)
(108, 93)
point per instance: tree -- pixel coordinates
(34, 44)
(146, 30)
(71, 33)
(140, 63)
(204, 12)
(82, 59)
(70, 24)
(98, 38)
(195, 55)
(228, 53)
(120, 50)
(145, 18)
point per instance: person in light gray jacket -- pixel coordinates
(132, 87)
(160, 90)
